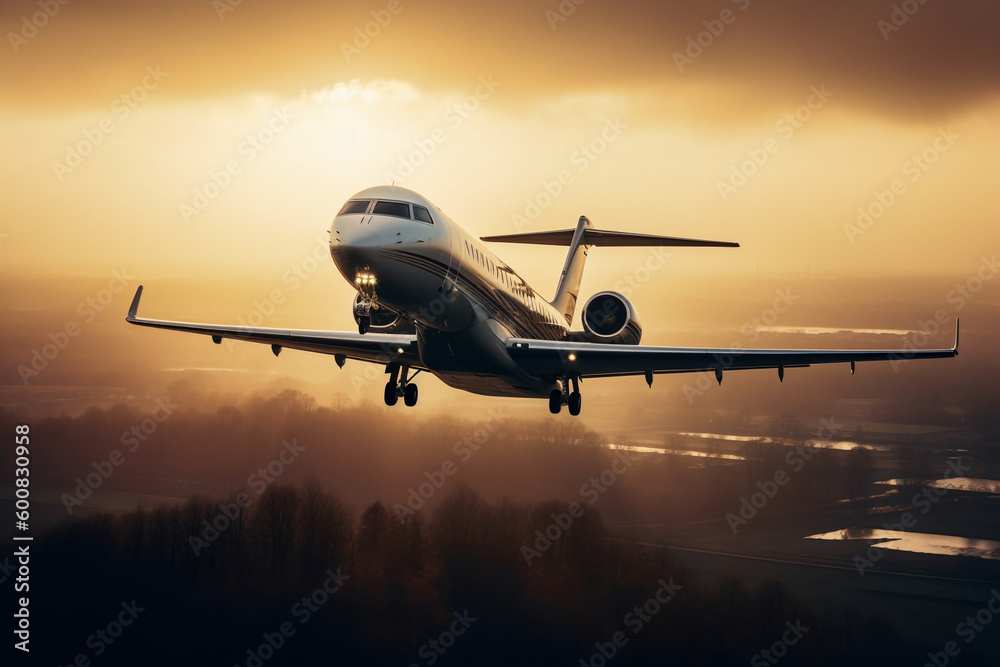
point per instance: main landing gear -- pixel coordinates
(400, 384)
(572, 399)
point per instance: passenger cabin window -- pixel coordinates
(396, 209)
(355, 206)
(422, 214)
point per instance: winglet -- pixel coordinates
(955, 349)
(135, 305)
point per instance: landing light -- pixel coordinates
(572, 357)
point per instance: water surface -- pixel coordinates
(922, 543)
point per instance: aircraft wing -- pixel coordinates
(561, 359)
(373, 347)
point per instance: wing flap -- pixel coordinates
(695, 370)
(563, 358)
(373, 347)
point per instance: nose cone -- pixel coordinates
(353, 245)
(348, 231)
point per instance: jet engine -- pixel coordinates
(381, 319)
(608, 317)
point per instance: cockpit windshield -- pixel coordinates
(396, 209)
(355, 206)
(422, 214)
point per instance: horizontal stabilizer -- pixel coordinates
(603, 237)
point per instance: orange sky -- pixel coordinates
(115, 117)
(355, 115)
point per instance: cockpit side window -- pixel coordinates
(422, 214)
(355, 206)
(396, 209)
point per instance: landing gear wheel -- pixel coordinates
(390, 393)
(555, 401)
(410, 395)
(363, 324)
(575, 403)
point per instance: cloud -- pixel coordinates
(371, 92)
(933, 58)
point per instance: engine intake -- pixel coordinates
(608, 317)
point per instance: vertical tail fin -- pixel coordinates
(572, 272)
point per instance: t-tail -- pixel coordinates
(580, 240)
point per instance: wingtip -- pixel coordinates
(958, 321)
(135, 305)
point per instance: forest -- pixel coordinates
(297, 579)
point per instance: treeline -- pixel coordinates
(195, 445)
(207, 449)
(184, 445)
(294, 578)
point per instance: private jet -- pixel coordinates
(431, 297)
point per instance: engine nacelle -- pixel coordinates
(382, 319)
(608, 317)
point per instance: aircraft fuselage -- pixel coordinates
(464, 300)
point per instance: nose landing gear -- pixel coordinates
(365, 303)
(572, 399)
(400, 384)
